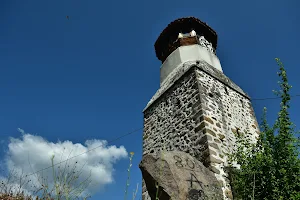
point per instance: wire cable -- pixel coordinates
(257, 99)
(252, 99)
(108, 142)
(127, 134)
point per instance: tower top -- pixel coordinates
(167, 42)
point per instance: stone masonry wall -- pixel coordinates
(170, 122)
(225, 112)
(197, 113)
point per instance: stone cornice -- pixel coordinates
(183, 68)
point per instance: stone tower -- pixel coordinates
(197, 108)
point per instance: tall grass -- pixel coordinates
(64, 187)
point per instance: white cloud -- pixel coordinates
(98, 164)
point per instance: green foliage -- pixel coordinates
(270, 168)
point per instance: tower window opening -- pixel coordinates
(192, 33)
(226, 90)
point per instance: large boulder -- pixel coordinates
(178, 176)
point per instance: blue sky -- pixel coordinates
(89, 77)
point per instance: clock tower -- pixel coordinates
(197, 109)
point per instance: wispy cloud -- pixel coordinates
(30, 153)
